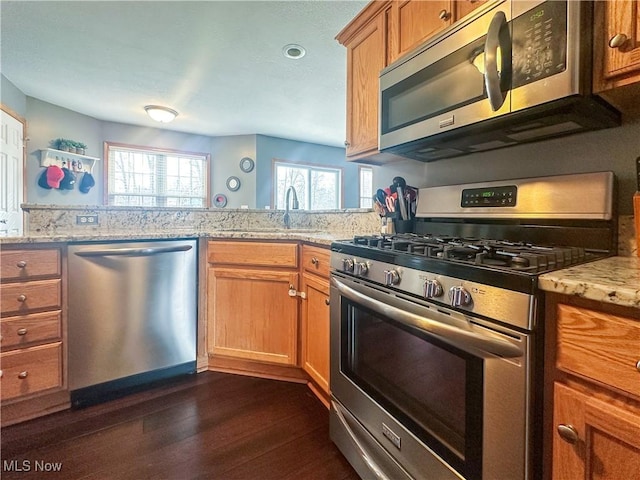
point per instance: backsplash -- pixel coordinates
(48, 220)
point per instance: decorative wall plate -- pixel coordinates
(220, 200)
(233, 183)
(246, 164)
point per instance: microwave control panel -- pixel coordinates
(539, 43)
(503, 196)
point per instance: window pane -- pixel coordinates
(149, 178)
(325, 186)
(291, 176)
(366, 187)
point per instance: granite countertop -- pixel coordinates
(304, 235)
(613, 280)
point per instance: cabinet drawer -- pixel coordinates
(254, 253)
(316, 260)
(31, 370)
(21, 298)
(26, 329)
(600, 346)
(18, 265)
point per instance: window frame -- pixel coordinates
(170, 151)
(310, 166)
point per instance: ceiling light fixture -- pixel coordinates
(161, 114)
(294, 51)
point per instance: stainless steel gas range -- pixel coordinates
(437, 335)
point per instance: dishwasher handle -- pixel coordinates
(132, 252)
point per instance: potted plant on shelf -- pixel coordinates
(62, 144)
(81, 148)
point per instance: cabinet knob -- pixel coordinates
(568, 433)
(638, 366)
(327, 301)
(22, 331)
(21, 264)
(618, 40)
(314, 260)
(22, 298)
(23, 375)
(444, 15)
(346, 143)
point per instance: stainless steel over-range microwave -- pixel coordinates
(511, 72)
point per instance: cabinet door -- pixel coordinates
(601, 440)
(418, 20)
(252, 316)
(619, 48)
(366, 57)
(465, 7)
(315, 330)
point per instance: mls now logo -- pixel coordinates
(28, 466)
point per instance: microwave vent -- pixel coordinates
(545, 131)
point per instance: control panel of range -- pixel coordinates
(504, 196)
(503, 305)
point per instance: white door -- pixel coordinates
(11, 175)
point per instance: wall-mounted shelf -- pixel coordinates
(73, 161)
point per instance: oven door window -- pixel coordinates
(433, 389)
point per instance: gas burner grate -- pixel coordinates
(499, 254)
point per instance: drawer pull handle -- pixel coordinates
(21, 264)
(327, 301)
(315, 261)
(568, 433)
(638, 366)
(22, 298)
(22, 331)
(23, 375)
(443, 15)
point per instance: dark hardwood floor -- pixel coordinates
(205, 426)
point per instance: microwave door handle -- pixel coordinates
(491, 73)
(464, 339)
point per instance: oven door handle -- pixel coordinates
(373, 466)
(461, 338)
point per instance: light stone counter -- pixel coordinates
(613, 280)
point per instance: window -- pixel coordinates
(317, 188)
(366, 187)
(156, 178)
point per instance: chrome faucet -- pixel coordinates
(295, 206)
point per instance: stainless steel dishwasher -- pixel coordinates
(132, 310)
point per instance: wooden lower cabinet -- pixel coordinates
(32, 333)
(594, 438)
(254, 316)
(593, 381)
(315, 332)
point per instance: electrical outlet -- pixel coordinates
(86, 219)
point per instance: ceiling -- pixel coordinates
(218, 63)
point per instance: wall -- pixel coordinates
(612, 149)
(226, 153)
(12, 97)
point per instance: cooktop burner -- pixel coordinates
(500, 254)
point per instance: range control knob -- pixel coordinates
(391, 277)
(347, 265)
(459, 297)
(360, 268)
(433, 288)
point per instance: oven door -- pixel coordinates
(444, 394)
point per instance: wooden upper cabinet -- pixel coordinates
(366, 57)
(620, 45)
(465, 7)
(616, 67)
(416, 21)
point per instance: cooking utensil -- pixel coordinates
(400, 184)
(390, 202)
